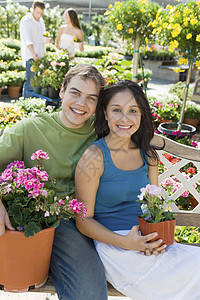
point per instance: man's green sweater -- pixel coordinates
(46, 132)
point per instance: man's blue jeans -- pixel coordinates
(77, 270)
(27, 84)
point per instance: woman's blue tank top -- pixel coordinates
(116, 207)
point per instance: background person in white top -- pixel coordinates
(70, 32)
(32, 29)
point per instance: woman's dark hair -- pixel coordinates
(144, 134)
(74, 17)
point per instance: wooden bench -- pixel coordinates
(185, 218)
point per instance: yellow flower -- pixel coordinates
(183, 61)
(111, 17)
(150, 23)
(118, 7)
(169, 7)
(177, 14)
(119, 27)
(116, 20)
(172, 45)
(134, 22)
(143, 10)
(188, 36)
(146, 40)
(177, 29)
(193, 21)
(162, 43)
(149, 14)
(185, 21)
(107, 13)
(154, 23)
(154, 31)
(130, 30)
(177, 70)
(33, 69)
(198, 38)
(110, 6)
(197, 63)
(165, 25)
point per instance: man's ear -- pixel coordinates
(61, 94)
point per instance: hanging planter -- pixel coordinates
(25, 261)
(164, 229)
(170, 129)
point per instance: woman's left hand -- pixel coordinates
(159, 250)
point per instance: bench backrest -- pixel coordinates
(184, 155)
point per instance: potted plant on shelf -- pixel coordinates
(156, 218)
(192, 113)
(14, 81)
(36, 82)
(33, 209)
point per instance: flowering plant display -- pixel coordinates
(9, 115)
(51, 69)
(14, 78)
(165, 107)
(153, 199)
(30, 200)
(133, 17)
(179, 27)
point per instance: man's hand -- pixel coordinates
(36, 56)
(4, 220)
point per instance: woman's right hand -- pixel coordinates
(4, 220)
(136, 242)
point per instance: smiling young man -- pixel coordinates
(32, 29)
(77, 270)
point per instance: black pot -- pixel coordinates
(53, 93)
(169, 128)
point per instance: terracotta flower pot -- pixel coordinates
(13, 91)
(164, 229)
(25, 261)
(165, 121)
(193, 122)
(193, 201)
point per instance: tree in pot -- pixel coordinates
(134, 21)
(179, 27)
(156, 218)
(33, 209)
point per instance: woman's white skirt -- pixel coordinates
(174, 275)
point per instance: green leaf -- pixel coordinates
(31, 229)
(15, 212)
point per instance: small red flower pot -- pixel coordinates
(164, 229)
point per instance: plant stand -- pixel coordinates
(49, 101)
